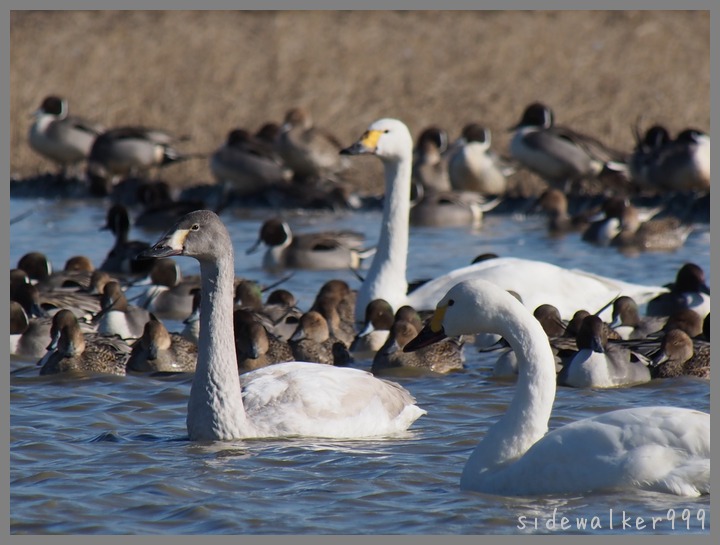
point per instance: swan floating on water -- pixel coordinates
(537, 282)
(281, 400)
(663, 449)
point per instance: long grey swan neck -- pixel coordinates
(526, 418)
(386, 278)
(215, 409)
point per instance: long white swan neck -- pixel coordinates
(215, 409)
(526, 419)
(386, 278)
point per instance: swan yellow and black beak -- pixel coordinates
(172, 244)
(431, 333)
(366, 145)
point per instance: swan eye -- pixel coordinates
(386, 131)
(451, 302)
(194, 227)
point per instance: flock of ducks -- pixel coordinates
(268, 369)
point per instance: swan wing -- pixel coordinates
(309, 399)
(664, 449)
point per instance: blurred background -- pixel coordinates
(202, 73)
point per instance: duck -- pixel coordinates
(599, 364)
(379, 318)
(75, 274)
(663, 449)
(327, 250)
(554, 203)
(28, 338)
(117, 316)
(473, 166)
(680, 355)
(689, 290)
(313, 342)
(191, 324)
(71, 352)
(628, 323)
(682, 164)
(661, 234)
(311, 152)
(439, 358)
(282, 400)
(449, 208)
(159, 351)
(122, 257)
(169, 295)
(558, 154)
(281, 307)
(646, 148)
(537, 282)
(430, 166)
(256, 347)
(247, 164)
(129, 151)
(65, 140)
(46, 303)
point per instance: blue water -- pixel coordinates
(109, 455)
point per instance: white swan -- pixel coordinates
(537, 282)
(664, 449)
(285, 399)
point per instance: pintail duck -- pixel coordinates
(554, 203)
(688, 291)
(312, 342)
(279, 400)
(518, 456)
(314, 251)
(122, 258)
(191, 327)
(558, 154)
(663, 234)
(680, 355)
(75, 274)
(130, 151)
(256, 347)
(599, 364)
(442, 357)
(158, 350)
(65, 140)
(169, 296)
(247, 164)
(279, 319)
(473, 166)
(646, 148)
(449, 208)
(72, 352)
(682, 164)
(309, 151)
(626, 320)
(117, 316)
(44, 303)
(536, 281)
(379, 318)
(28, 337)
(430, 167)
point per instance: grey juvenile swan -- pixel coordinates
(286, 399)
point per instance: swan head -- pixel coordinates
(388, 139)
(200, 234)
(470, 307)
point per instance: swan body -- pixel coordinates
(663, 449)
(286, 399)
(536, 282)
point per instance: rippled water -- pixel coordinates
(109, 455)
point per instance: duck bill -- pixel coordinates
(252, 249)
(358, 148)
(426, 337)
